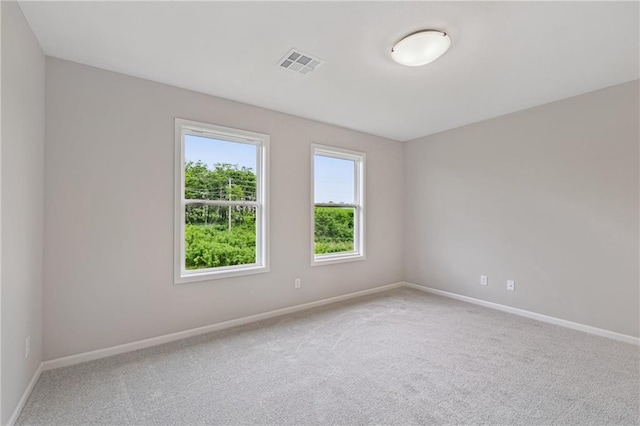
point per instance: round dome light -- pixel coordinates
(420, 48)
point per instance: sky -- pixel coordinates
(334, 177)
(334, 180)
(211, 151)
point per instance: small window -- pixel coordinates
(221, 202)
(337, 218)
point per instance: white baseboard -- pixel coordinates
(141, 344)
(25, 396)
(528, 314)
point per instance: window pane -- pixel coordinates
(219, 170)
(219, 236)
(334, 229)
(334, 180)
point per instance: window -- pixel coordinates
(337, 217)
(221, 227)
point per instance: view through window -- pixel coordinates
(222, 205)
(338, 213)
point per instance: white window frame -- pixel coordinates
(261, 141)
(359, 159)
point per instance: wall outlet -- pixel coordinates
(297, 283)
(484, 280)
(27, 348)
(511, 285)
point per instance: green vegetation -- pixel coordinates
(209, 246)
(226, 236)
(219, 235)
(333, 229)
(224, 182)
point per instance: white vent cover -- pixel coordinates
(300, 62)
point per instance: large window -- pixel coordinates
(337, 220)
(221, 202)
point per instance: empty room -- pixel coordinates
(323, 213)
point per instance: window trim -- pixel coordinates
(360, 217)
(261, 141)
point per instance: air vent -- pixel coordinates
(300, 62)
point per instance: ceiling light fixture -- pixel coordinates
(420, 48)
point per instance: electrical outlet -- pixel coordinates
(511, 285)
(27, 345)
(484, 280)
(297, 283)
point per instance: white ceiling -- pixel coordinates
(504, 57)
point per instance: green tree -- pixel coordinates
(223, 182)
(211, 239)
(334, 229)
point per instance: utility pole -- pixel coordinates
(206, 210)
(229, 196)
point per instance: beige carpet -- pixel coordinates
(401, 357)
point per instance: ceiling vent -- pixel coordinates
(300, 62)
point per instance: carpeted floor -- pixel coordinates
(400, 357)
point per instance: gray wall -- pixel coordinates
(109, 212)
(546, 196)
(23, 75)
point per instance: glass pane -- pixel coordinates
(219, 236)
(333, 180)
(219, 170)
(334, 230)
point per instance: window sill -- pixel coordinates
(342, 258)
(215, 275)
